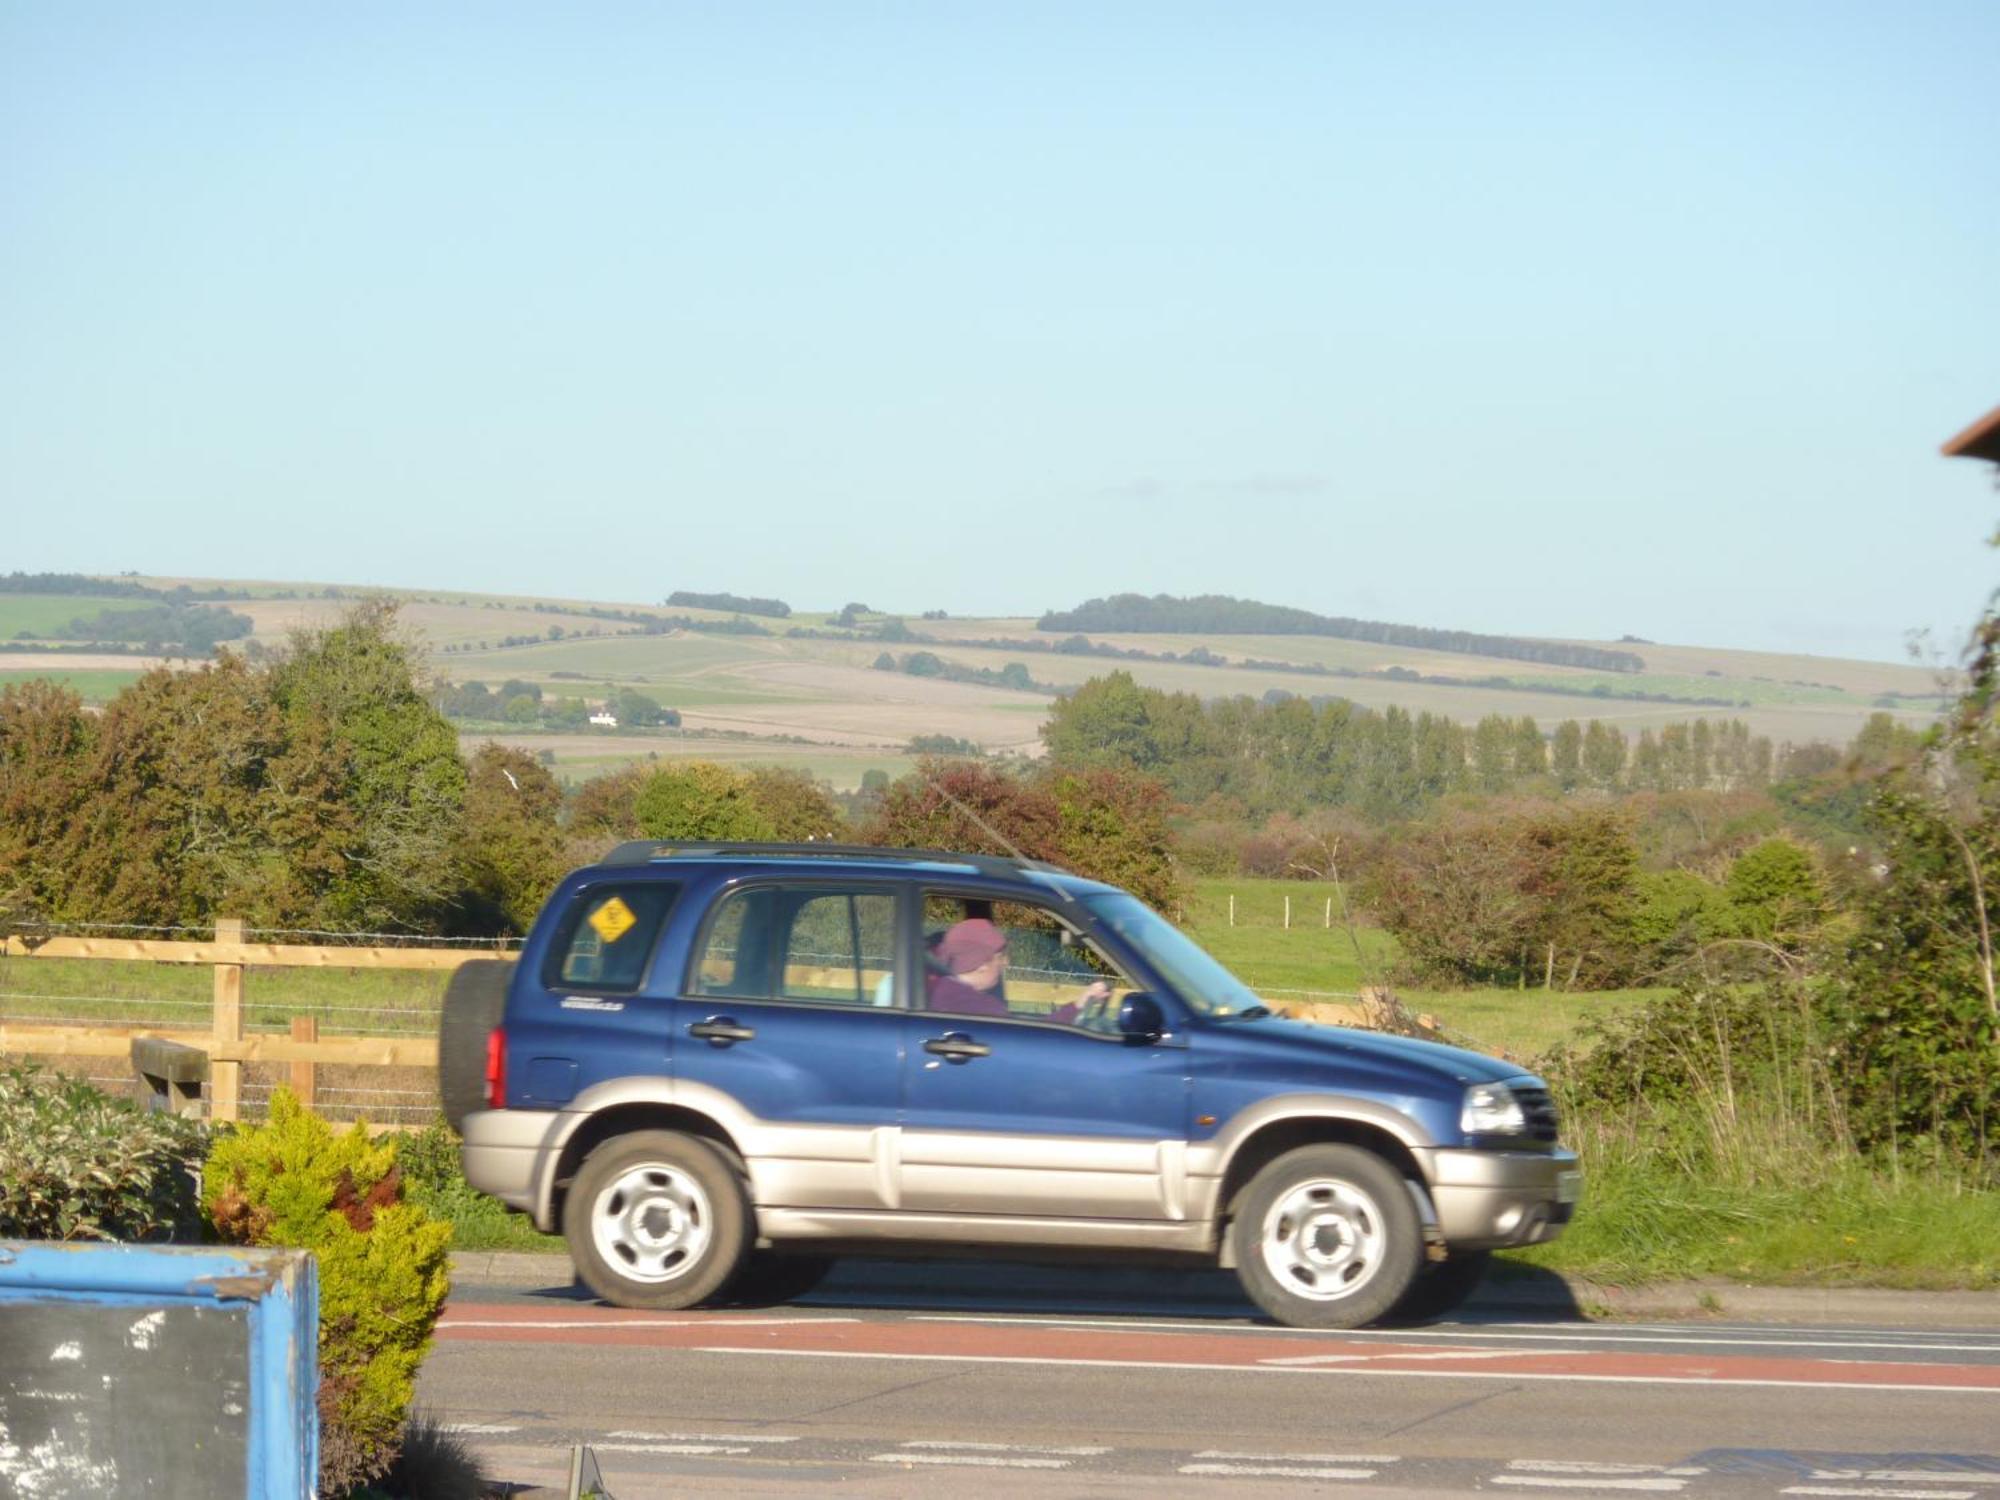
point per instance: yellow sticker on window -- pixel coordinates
(612, 920)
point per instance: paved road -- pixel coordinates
(883, 1385)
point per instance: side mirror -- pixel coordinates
(1140, 1018)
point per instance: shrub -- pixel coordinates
(76, 1164)
(382, 1268)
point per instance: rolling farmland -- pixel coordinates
(819, 704)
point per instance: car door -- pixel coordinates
(1026, 1114)
(788, 1030)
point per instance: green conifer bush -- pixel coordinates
(382, 1268)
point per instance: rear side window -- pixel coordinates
(772, 942)
(606, 937)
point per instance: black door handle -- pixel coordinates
(957, 1047)
(721, 1031)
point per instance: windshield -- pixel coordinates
(1198, 979)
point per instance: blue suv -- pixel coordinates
(717, 1067)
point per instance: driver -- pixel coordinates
(973, 956)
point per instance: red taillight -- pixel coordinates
(496, 1069)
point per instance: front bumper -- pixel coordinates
(1486, 1200)
(503, 1153)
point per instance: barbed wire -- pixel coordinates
(206, 932)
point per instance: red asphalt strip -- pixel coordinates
(1054, 1344)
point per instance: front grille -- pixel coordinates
(1538, 1109)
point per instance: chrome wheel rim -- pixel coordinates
(1324, 1240)
(652, 1224)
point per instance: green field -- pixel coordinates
(91, 684)
(45, 616)
(1311, 957)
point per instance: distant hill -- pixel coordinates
(812, 690)
(1219, 614)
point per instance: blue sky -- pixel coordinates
(1572, 320)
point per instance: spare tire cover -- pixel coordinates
(474, 1002)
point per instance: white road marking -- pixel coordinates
(1004, 1448)
(685, 1450)
(623, 1323)
(1583, 1466)
(1907, 1476)
(1379, 1372)
(1526, 1333)
(1330, 1359)
(695, 1437)
(1657, 1484)
(1877, 1492)
(969, 1460)
(1302, 1458)
(478, 1429)
(1275, 1471)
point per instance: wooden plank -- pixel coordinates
(225, 1072)
(116, 1041)
(252, 955)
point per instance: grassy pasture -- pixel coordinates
(581, 756)
(92, 685)
(48, 615)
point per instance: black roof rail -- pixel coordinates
(645, 851)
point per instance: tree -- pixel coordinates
(1103, 723)
(354, 684)
(1104, 823)
(1915, 998)
(797, 807)
(511, 850)
(699, 800)
(46, 742)
(1566, 755)
(1776, 893)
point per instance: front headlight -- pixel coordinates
(1492, 1109)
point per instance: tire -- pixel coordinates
(767, 1278)
(656, 1219)
(474, 1003)
(1442, 1287)
(1327, 1237)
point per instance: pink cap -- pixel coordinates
(969, 944)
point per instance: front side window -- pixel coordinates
(836, 947)
(1004, 958)
(607, 936)
(1197, 978)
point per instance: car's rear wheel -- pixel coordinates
(1327, 1237)
(1442, 1287)
(656, 1219)
(768, 1278)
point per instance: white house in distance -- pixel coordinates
(604, 718)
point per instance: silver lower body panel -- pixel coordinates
(503, 1150)
(781, 1224)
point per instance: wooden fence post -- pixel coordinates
(305, 1075)
(225, 1072)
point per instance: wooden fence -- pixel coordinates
(227, 1044)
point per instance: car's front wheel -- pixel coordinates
(656, 1220)
(1327, 1237)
